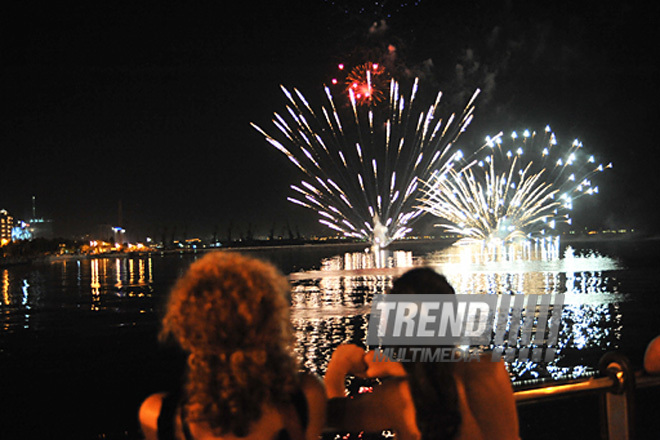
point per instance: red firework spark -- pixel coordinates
(367, 82)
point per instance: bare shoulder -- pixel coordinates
(314, 390)
(485, 379)
(312, 386)
(488, 395)
(149, 412)
(652, 357)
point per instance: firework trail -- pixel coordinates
(509, 194)
(364, 164)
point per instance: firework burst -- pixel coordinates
(368, 82)
(364, 167)
(522, 188)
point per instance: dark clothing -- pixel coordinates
(171, 408)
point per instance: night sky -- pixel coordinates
(149, 104)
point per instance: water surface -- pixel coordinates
(78, 347)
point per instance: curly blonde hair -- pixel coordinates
(230, 313)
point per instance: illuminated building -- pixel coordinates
(21, 231)
(39, 227)
(119, 235)
(6, 225)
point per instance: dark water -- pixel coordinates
(78, 348)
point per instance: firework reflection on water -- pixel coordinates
(331, 306)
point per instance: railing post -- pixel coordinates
(618, 403)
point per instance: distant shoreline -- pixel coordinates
(273, 244)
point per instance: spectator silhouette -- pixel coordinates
(230, 314)
(429, 400)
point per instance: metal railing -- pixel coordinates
(616, 387)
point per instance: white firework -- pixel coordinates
(522, 188)
(364, 165)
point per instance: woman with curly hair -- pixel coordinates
(230, 314)
(428, 400)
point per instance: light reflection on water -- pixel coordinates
(331, 305)
(66, 324)
(33, 297)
